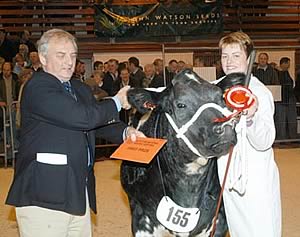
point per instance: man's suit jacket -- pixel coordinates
(108, 82)
(8, 50)
(137, 78)
(117, 85)
(157, 81)
(54, 122)
(268, 76)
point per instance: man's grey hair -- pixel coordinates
(57, 34)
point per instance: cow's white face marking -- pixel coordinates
(192, 77)
(195, 166)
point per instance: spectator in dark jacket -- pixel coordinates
(7, 49)
(25, 39)
(264, 71)
(151, 78)
(110, 76)
(136, 73)
(286, 115)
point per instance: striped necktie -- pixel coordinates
(68, 88)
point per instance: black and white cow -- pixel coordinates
(176, 194)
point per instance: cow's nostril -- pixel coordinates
(218, 129)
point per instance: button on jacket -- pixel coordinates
(53, 122)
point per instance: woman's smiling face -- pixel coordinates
(233, 59)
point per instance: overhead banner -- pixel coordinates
(187, 18)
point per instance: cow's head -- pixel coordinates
(193, 105)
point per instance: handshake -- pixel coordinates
(122, 96)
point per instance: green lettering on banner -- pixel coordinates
(189, 18)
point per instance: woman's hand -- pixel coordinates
(250, 112)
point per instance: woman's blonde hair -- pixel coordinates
(240, 38)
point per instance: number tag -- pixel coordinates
(175, 217)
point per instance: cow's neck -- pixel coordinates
(185, 189)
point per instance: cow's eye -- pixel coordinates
(180, 105)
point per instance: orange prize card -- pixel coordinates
(142, 150)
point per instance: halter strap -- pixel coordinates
(181, 131)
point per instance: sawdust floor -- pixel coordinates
(113, 218)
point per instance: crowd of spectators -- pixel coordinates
(109, 77)
(151, 75)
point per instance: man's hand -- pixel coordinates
(133, 133)
(2, 103)
(122, 96)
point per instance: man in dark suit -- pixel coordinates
(167, 75)
(7, 48)
(264, 71)
(110, 76)
(36, 65)
(79, 71)
(54, 184)
(151, 78)
(136, 73)
(25, 39)
(286, 113)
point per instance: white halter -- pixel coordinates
(181, 131)
(238, 175)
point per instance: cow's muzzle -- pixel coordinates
(232, 122)
(226, 131)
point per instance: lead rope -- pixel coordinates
(161, 177)
(221, 193)
(158, 161)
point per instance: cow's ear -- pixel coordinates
(165, 104)
(141, 99)
(231, 80)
